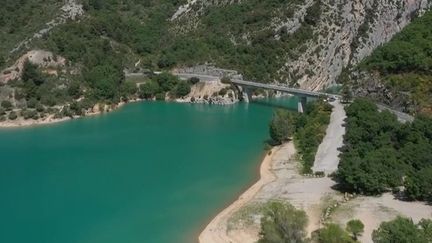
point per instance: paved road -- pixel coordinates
(202, 77)
(281, 88)
(327, 156)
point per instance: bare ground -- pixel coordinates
(372, 211)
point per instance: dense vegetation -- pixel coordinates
(381, 154)
(404, 230)
(405, 63)
(308, 129)
(19, 20)
(112, 36)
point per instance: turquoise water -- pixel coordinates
(149, 172)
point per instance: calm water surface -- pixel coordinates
(148, 173)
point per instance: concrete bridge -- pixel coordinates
(247, 86)
(300, 93)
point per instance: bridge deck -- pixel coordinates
(300, 92)
(281, 88)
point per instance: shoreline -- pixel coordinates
(215, 230)
(22, 123)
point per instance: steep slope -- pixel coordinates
(300, 42)
(399, 73)
(315, 39)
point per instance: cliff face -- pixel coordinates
(347, 31)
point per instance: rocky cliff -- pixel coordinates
(346, 32)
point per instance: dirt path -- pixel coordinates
(326, 158)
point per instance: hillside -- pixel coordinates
(399, 73)
(300, 42)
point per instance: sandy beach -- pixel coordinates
(280, 180)
(216, 230)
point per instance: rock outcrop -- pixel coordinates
(44, 59)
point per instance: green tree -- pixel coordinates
(281, 223)
(194, 80)
(32, 74)
(166, 81)
(182, 89)
(419, 184)
(149, 89)
(400, 230)
(333, 233)
(282, 126)
(355, 227)
(346, 92)
(74, 89)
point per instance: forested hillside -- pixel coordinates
(299, 42)
(19, 20)
(403, 67)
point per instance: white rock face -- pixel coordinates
(349, 30)
(343, 43)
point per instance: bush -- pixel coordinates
(355, 227)
(194, 80)
(282, 223)
(223, 92)
(333, 233)
(13, 115)
(160, 96)
(27, 114)
(7, 105)
(149, 89)
(403, 230)
(39, 107)
(32, 103)
(226, 80)
(2, 111)
(183, 88)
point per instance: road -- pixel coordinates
(327, 156)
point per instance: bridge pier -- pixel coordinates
(246, 94)
(301, 105)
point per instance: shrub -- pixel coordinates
(149, 90)
(27, 114)
(283, 223)
(7, 105)
(194, 80)
(183, 88)
(40, 107)
(225, 80)
(31, 103)
(13, 115)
